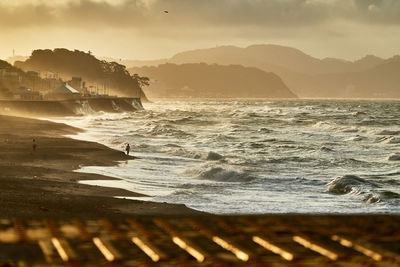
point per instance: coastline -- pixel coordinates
(43, 183)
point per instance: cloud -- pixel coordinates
(139, 14)
(142, 29)
(82, 13)
(379, 11)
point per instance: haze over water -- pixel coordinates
(257, 156)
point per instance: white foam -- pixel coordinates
(264, 146)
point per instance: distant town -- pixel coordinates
(61, 82)
(46, 86)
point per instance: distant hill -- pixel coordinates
(305, 75)
(203, 80)
(266, 57)
(381, 81)
(68, 63)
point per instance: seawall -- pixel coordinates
(72, 107)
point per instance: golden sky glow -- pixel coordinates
(139, 29)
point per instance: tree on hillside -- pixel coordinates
(78, 63)
(7, 66)
(143, 81)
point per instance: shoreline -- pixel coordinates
(44, 183)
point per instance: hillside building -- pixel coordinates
(64, 92)
(24, 93)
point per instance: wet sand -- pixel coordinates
(41, 183)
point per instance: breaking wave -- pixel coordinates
(167, 130)
(388, 132)
(349, 184)
(369, 192)
(219, 173)
(259, 149)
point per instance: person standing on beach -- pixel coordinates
(128, 148)
(33, 145)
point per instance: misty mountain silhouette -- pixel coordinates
(266, 56)
(305, 75)
(381, 81)
(203, 80)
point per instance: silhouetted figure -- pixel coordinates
(34, 145)
(128, 148)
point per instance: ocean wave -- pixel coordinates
(181, 152)
(376, 197)
(369, 118)
(391, 140)
(350, 130)
(256, 145)
(178, 113)
(380, 175)
(214, 156)
(189, 120)
(388, 132)
(326, 149)
(355, 138)
(265, 130)
(172, 145)
(358, 113)
(369, 192)
(253, 115)
(348, 184)
(183, 120)
(324, 125)
(134, 134)
(307, 181)
(222, 138)
(372, 198)
(290, 159)
(389, 195)
(220, 173)
(167, 130)
(349, 162)
(394, 157)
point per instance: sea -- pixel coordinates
(255, 156)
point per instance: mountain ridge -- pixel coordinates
(305, 75)
(204, 80)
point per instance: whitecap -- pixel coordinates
(355, 138)
(347, 184)
(220, 173)
(391, 140)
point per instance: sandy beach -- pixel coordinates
(42, 183)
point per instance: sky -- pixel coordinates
(140, 29)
